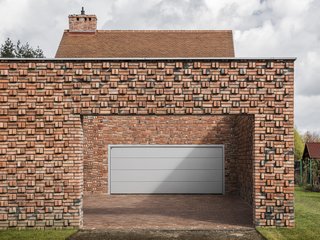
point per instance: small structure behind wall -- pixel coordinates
(311, 165)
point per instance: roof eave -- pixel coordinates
(152, 58)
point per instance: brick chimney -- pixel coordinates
(82, 22)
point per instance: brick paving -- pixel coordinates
(178, 212)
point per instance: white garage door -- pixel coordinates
(183, 169)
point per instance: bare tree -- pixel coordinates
(311, 137)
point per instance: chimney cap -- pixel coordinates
(82, 11)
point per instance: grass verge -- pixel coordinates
(307, 219)
(35, 234)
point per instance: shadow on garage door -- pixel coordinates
(166, 169)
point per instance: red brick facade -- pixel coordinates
(47, 120)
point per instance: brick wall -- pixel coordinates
(244, 145)
(43, 104)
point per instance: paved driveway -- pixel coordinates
(167, 235)
(166, 212)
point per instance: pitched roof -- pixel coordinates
(146, 43)
(312, 149)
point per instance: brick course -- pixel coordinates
(44, 104)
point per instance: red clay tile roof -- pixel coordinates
(313, 149)
(153, 43)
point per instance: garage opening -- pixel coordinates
(180, 172)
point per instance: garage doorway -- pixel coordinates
(162, 205)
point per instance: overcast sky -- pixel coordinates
(261, 28)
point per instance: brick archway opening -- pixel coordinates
(233, 210)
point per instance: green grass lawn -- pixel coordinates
(32, 234)
(307, 218)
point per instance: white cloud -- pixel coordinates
(261, 28)
(307, 112)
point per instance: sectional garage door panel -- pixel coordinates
(166, 169)
(166, 188)
(167, 152)
(191, 175)
(143, 162)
